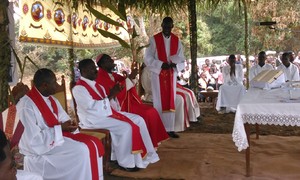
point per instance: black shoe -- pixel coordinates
(172, 134)
(129, 169)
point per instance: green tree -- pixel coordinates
(203, 36)
(4, 55)
(227, 28)
(285, 34)
(153, 6)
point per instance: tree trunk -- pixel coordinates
(246, 41)
(71, 61)
(143, 32)
(145, 39)
(193, 43)
(5, 54)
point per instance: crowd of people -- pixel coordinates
(232, 71)
(211, 77)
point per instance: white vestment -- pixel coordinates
(179, 114)
(256, 69)
(95, 114)
(191, 103)
(291, 73)
(179, 102)
(151, 60)
(47, 152)
(25, 175)
(232, 90)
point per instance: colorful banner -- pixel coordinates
(55, 23)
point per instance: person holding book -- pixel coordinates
(256, 69)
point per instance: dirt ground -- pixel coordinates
(212, 122)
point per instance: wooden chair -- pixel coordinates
(102, 134)
(61, 93)
(11, 124)
(210, 96)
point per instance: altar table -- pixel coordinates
(266, 107)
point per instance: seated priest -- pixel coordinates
(131, 143)
(191, 102)
(128, 99)
(50, 142)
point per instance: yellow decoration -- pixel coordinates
(54, 23)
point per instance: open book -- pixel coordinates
(268, 79)
(267, 76)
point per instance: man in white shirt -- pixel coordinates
(131, 142)
(256, 69)
(291, 71)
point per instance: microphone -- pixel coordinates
(265, 23)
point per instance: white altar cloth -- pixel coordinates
(273, 107)
(229, 96)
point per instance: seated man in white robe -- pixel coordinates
(8, 169)
(232, 90)
(180, 113)
(261, 66)
(131, 142)
(191, 103)
(291, 71)
(51, 146)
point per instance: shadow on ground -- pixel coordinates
(212, 122)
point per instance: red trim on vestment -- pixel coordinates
(188, 91)
(138, 145)
(166, 76)
(132, 103)
(12, 135)
(10, 121)
(186, 115)
(124, 97)
(51, 121)
(17, 135)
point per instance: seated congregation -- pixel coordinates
(233, 89)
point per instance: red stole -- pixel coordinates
(125, 97)
(13, 135)
(51, 121)
(166, 75)
(138, 145)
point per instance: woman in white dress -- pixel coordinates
(232, 89)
